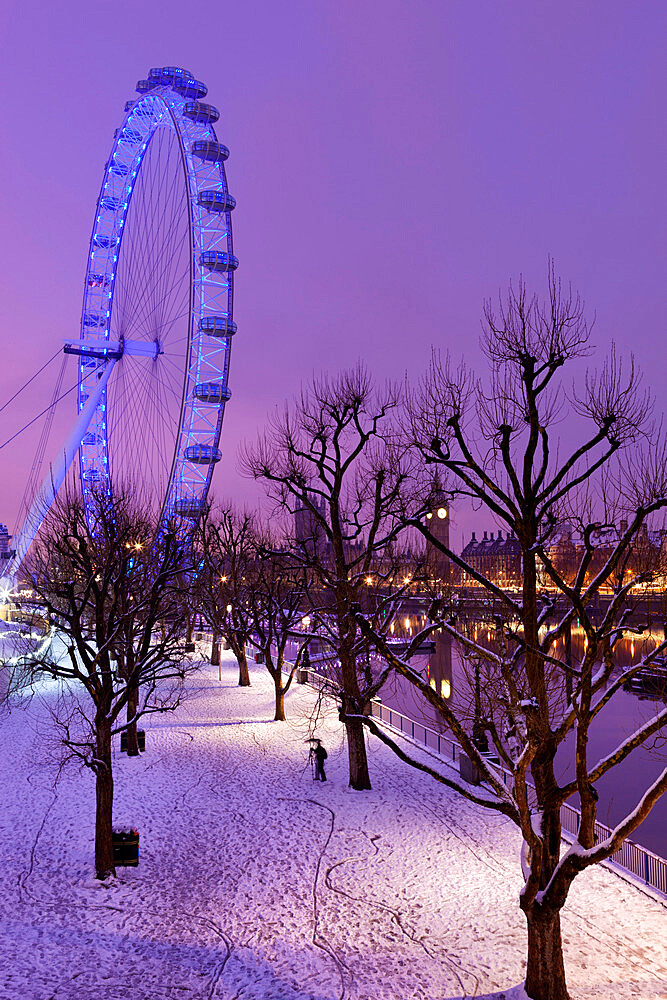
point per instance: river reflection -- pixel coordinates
(619, 790)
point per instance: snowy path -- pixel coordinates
(255, 883)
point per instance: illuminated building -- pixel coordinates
(496, 558)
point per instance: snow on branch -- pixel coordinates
(502, 804)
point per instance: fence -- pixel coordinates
(650, 868)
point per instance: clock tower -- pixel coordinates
(438, 524)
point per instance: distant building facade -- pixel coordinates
(566, 550)
(495, 556)
(6, 551)
(308, 530)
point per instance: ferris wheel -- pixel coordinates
(154, 346)
(158, 301)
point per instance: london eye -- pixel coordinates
(154, 345)
(158, 300)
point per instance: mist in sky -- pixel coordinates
(394, 164)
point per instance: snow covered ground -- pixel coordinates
(256, 883)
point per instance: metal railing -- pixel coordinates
(646, 866)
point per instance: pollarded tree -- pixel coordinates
(494, 442)
(115, 603)
(275, 595)
(334, 465)
(151, 595)
(225, 542)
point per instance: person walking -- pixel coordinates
(320, 755)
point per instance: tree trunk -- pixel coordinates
(104, 865)
(360, 778)
(545, 970)
(356, 749)
(132, 702)
(280, 698)
(244, 675)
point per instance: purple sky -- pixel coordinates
(394, 163)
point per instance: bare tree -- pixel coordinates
(151, 592)
(335, 466)
(226, 541)
(494, 443)
(276, 593)
(113, 594)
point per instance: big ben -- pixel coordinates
(438, 524)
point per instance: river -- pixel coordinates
(620, 789)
